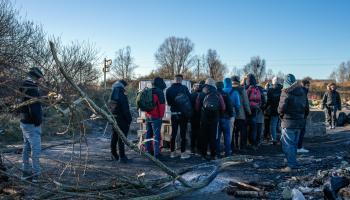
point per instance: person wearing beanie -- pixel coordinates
(154, 117)
(306, 85)
(273, 99)
(179, 118)
(292, 109)
(119, 106)
(225, 121)
(195, 119)
(211, 104)
(331, 103)
(30, 124)
(240, 125)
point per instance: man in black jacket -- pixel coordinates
(120, 108)
(31, 119)
(273, 99)
(293, 107)
(331, 103)
(195, 119)
(177, 117)
(306, 85)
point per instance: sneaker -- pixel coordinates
(26, 176)
(303, 150)
(173, 154)
(185, 155)
(286, 170)
(123, 159)
(274, 143)
(115, 157)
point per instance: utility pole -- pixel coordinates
(106, 65)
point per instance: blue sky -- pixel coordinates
(306, 38)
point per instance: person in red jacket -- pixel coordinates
(154, 117)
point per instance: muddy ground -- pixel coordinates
(88, 163)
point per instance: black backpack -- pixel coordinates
(183, 102)
(211, 104)
(342, 118)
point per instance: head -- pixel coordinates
(289, 80)
(159, 83)
(332, 86)
(196, 87)
(235, 80)
(251, 81)
(210, 82)
(178, 78)
(227, 83)
(220, 85)
(306, 83)
(267, 86)
(275, 80)
(35, 74)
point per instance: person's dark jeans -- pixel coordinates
(331, 116)
(116, 140)
(301, 138)
(259, 132)
(253, 129)
(208, 136)
(289, 140)
(267, 128)
(153, 127)
(273, 127)
(225, 129)
(239, 137)
(176, 122)
(195, 130)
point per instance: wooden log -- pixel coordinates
(267, 185)
(250, 194)
(244, 186)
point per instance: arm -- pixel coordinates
(124, 107)
(161, 104)
(237, 101)
(168, 97)
(307, 107)
(339, 101)
(324, 101)
(222, 103)
(282, 107)
(246, 103)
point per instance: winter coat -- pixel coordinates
(194, 95)
(234, 95)
(244, 109)
(273, 99)
(159, 100)
(171, 94)
(32, 113)
(120, 106)
(331, 98)
(199, 102)
(293, 107)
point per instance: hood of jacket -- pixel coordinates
(227, 83)
(159, 83)
(295, 89)
(118, 84)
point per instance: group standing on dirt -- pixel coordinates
(240, 111)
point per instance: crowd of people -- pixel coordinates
(241, 111)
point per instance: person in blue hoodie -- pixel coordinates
(234, 96)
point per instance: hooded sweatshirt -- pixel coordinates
(234, 94)
(32, 113)
(158, 98)
(120, 105)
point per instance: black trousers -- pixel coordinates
(259, 132)
(208, 135)
(176, 122)
(267, 134)
(116, 140)
(195, 130)
(301, 137)
(239, 135)
(331, 116)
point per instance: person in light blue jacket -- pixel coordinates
(236, 102)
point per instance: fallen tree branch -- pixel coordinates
(111, 120)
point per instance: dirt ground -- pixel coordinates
(88, 163)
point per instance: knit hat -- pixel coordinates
(220, 85)
(210, 82)
(275, 80)
(35, 73)
(289, 80)
(235, 79)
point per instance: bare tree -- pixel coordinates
(215, 67)
(257, 67)
(174, 56)
(123, 64)
(269, 75)
(237, 71)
